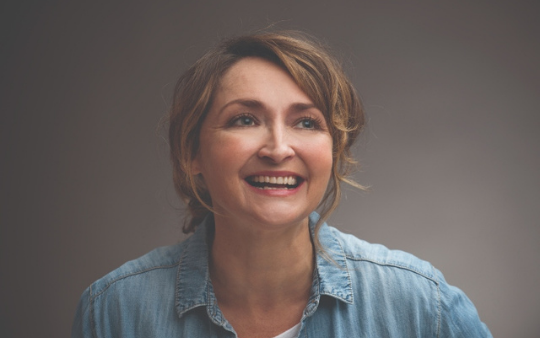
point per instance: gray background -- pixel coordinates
(451, 91)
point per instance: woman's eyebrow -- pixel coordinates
(248, 103)
(298, 107)
(256, 104)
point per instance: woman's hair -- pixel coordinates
(313, 69)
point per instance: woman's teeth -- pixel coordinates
(274, 182)
(289, 180)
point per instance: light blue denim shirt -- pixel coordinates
(368, 291)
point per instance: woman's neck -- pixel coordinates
(253, 267)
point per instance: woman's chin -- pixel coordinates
(279, 220)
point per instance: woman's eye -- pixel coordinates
(307, 123)
(243, 121)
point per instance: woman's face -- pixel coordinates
(265, 150)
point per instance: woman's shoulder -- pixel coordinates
(156, 262)
(143, 291)
(360, 251)
(380, 276)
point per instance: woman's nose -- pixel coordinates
(276, 145)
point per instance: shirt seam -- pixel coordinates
(433, 279)
(92, 316)
(439, 306)
(119, 278)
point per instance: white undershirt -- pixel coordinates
(290, 333)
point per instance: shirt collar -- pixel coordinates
(194, 288)
(332, 273)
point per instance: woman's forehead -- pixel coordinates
(256, 79)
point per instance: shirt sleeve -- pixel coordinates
(82, 324)
(458, 316)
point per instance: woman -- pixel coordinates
(260, 133)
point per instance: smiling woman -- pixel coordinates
(260, 135)
(256, 127)
(302, 61)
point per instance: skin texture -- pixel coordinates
(261, 123)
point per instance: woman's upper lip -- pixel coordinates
(275, 173)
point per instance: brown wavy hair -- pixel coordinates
(314, 70)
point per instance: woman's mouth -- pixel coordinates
(274, 182)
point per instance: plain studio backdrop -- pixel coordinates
(451, 151)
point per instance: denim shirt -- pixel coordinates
(367, 291)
